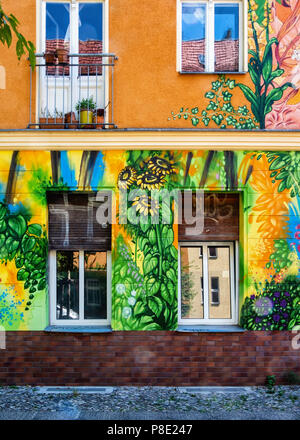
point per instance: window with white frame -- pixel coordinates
(79, 260)
(79, 28)
(207, 285)
(208, 259)
(212, 36)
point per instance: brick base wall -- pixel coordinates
(147, 358)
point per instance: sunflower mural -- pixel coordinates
(145, 265)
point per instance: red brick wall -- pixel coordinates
(147, 358)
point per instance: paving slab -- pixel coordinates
(151, 403)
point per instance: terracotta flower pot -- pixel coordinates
(63, 56)
(99, 118)
(51, 123)
(50, 58)
(71, 121)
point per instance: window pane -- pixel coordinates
(67, 264)
(212, 251)
(90, 36)
(95, 270)
(193, 37)
(214, 290)
(57, 32)
(227, 37)
(219, 285)
(191, 282)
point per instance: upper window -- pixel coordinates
(71, 74)
(211, 36)
(76, 27)
(80, 266)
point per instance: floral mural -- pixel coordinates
(145, 253)
(146, 278)
(271, 97)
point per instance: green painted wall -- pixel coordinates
(144, 256)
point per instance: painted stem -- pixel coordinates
(158, 238)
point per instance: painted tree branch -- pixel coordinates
(8, 26)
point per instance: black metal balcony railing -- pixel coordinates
(75, 93)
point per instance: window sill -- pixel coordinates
(210, 328)
(213, 73)
(78, 329)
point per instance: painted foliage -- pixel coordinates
(146, 277)
(144, 253)
(271, 98)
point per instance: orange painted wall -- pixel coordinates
(142, 34)
(14, 100)
(147, 85)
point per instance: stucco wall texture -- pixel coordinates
(142, 34)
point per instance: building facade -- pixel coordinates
(150, 201)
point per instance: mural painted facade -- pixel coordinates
(266, 96)
(145, 255)
(272, 97)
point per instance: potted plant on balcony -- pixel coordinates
(49, 121)
(99, 118)
(86, 108)
(62, 56)
(70, 120)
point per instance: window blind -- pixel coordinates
(221, 218)
(73, 224)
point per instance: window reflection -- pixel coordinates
(193, 37)
(191, 282)
(226, 37)
(95, 272)
(90, 37)
(67, 265)
(219, 284)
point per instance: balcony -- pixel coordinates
(72, 91)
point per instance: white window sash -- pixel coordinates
(210, 33)
(53, 293)
(210, 37)
(233, 270)
(74, 48)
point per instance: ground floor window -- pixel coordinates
(207, 283)
(80, 258)
(80, 291)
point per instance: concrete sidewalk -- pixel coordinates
(143, 415)
(151, 403)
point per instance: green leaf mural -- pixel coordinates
(26, 245)
(156, 293)
(285, 168)
(145, 254)
(219, 111)
(261, 68)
